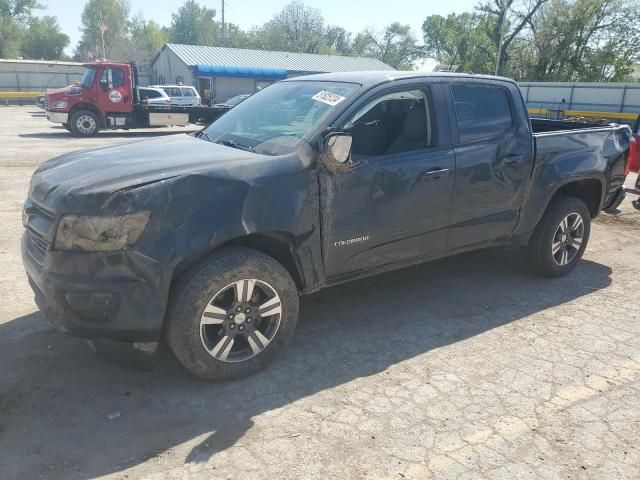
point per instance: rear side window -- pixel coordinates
(172, 91)
(481, 111)
(188, 92)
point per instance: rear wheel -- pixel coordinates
(560, 238)
(84, 123)
(232, 315)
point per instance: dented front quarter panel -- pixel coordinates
(199, 196)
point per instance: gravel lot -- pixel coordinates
(463, 368)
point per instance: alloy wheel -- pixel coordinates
(241, 320)
(568, 239)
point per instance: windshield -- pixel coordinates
(87, 78)
(277, 119)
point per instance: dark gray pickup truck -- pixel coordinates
(208, 240)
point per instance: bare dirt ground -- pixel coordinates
(464, 368)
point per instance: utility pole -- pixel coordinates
(224, 32)
(503, 18)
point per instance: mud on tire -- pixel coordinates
(215, 303)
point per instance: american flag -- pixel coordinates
(103, 27)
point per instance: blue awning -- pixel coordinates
(240, 72)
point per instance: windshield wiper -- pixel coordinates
(232, 144)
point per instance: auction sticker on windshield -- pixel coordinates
(329, 98)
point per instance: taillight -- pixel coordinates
(633, 160)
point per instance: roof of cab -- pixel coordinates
(371, 78)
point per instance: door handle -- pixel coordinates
(512, 159)
(434, 174)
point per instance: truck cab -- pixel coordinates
(104, 97)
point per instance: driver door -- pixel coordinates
(392, 202)
(114, 90)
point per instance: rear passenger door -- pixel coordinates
(175, 94)
(190, 96)
(393, 202)
(494, 158)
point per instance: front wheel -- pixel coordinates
(560, 238)
(233, 315)
(84, 123)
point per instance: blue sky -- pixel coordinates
(353, 15)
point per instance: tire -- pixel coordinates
(210, 293)
(66, 126)
(551, 240)
(84, 123)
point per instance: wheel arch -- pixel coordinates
(90, 107)
(589, 190)
(276, 244)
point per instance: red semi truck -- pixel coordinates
(108, 97)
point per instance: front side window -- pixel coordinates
(395, 123)
(188, 92)
(276, 120)
(112, 78)
(481, 111)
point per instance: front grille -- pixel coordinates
(46, 101)
(37, 246)
(39, 233)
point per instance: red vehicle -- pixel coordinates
(108, 98)
(633, 165)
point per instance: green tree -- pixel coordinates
(114, 14)
(458, 40)
(148, 34)
(19, 10)
(44, 40)
(11, 37)
(296, 28)
(194, 24)
(396, 46)
(15, 16)
(506, 20)
(580, 40)
(339, 41)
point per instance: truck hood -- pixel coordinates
(62, 182)
(60, 93)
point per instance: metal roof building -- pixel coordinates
(221, 72)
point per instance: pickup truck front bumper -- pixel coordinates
(57, 117)
(117, 295)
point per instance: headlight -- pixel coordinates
(100, 234)
(59, 105)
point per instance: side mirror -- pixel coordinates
(337, 147)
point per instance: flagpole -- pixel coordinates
(103, 27)
(104, 52)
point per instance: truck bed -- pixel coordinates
(598, 150)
